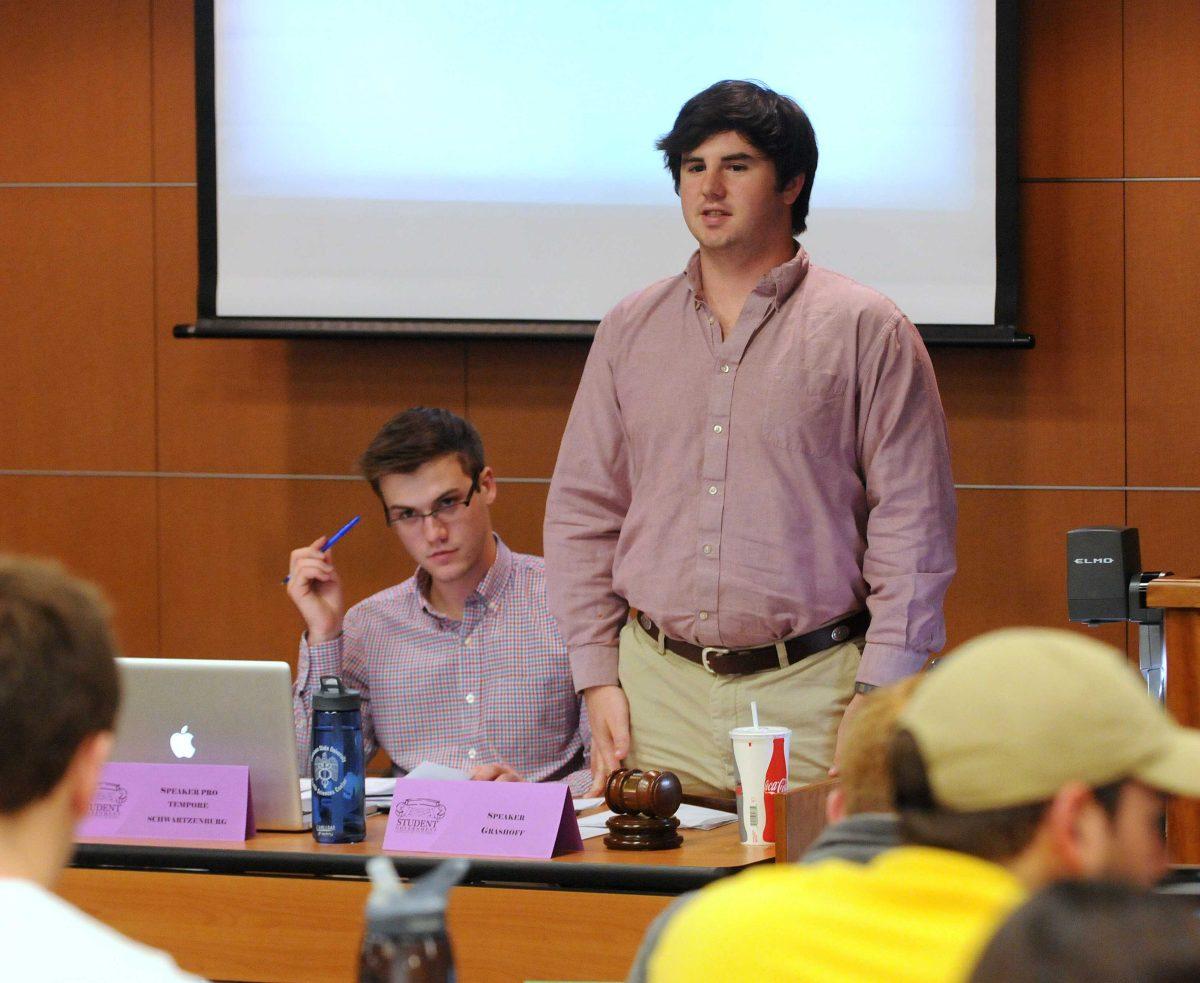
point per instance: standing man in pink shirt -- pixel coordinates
(753, 497)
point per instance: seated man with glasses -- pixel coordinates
(460, 665)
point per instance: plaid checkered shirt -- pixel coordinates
(494, 687)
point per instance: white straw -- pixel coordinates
(754, 711)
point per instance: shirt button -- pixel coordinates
(470, 697)
(710, 320)
(718, 429)
(703, 615)
(707, 550)
(471, 754)
(725, 368)
(712, 489)
(466, 643)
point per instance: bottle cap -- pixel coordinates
(419, 911)
(334, 696)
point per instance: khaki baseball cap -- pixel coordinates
(1010, 717)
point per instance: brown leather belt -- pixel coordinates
(742, 662)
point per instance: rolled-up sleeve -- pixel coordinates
(589, 498)
(909, 559)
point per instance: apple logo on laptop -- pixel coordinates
(181, 743)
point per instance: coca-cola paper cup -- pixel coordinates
(761, 757)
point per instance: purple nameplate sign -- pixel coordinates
(482, 819)
(171, 802)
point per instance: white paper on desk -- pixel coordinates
(689, 816)
(370, 807)
(375, 786)
(587, 832)
(378, 793)
(380, 788)
(430, 772)
(586, 803)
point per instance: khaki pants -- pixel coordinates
(681, 714)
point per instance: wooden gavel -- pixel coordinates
(655, 794)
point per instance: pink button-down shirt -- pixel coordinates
(747, 489)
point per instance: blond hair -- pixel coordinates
(865, 766)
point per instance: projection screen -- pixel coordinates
(483, 167)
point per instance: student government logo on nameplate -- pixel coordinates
(482, 819)
(171, 802)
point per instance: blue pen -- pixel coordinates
(334, 538)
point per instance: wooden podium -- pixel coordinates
(1179, 598)
(800, 818)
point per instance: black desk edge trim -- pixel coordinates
(627, 878)
(292, 329)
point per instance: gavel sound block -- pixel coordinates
(645, 803)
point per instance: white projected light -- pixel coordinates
(476, 160)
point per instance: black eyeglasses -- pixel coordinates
(448, 509)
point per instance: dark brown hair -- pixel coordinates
(991, 834)
(58, 680)
(416, 437)
(774, 124)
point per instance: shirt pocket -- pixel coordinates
(803, 410)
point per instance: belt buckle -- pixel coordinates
(706, 652)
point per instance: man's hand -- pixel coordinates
(495, 773)
(851, 709)
(608, 714)
(316, 590)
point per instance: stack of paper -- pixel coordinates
(427, 771)
(378, 792)
(689, 816)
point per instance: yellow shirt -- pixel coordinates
(914, 914)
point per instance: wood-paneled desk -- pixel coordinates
(1180, 599)
(282, 907)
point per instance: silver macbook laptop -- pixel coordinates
(216, 712)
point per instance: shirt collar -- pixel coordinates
(488, 589)
(778, 283)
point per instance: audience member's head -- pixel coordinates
(864, 768)
(773, 123)
(58, 701)
(1095, 932)
(1041, 750)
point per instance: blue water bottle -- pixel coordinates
(338, 783)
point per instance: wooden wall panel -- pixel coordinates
(224, 548)
(1163, 284)
(102, 529)
(76, 298)
(518, 513)
(102, 90)
(293, 407)
(519, 394)
(1168, 525)
(1053, 415)
(75, 90)
(1162, 88)
(285, 407)
(174, 91)
(1012, 567)
(1071, 112)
